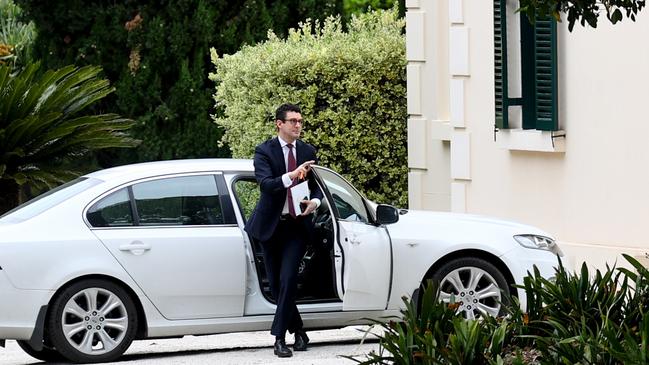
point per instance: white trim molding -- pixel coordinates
(413, 88)
(417, 143)
(460, 155)
(456, 101)
(455, 12)
(459, 50)
(412, 4)
(531, 140)
(415, 35)
(458, 197)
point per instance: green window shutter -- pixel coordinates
(545, 83)
(500, 64)
(528, 73)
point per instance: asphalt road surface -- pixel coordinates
(325, 348)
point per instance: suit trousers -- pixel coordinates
(283, 253)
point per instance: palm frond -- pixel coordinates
(43, 127)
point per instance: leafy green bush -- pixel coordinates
(16, 36)
(352, 90)
(351, 7)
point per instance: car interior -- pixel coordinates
(316, 277)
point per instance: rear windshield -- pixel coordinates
(48, 200)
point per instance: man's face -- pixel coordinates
(291, 127)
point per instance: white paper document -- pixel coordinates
(299, 192)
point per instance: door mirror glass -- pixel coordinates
(386, 214)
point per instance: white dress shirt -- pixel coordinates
(285, 179)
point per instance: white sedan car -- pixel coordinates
(158, 250)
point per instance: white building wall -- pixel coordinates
(592, 192)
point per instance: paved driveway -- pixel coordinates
(237, 348)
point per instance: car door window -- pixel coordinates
(247, 194)
(187, 200)
(112, 211)
(348, 202)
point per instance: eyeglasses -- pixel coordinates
(294, 121)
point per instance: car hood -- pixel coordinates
(425, 215)
(467, 228)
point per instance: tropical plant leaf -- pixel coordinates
(42, 126)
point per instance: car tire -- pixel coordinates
(45, 354)
(476, 284)
(92, 321)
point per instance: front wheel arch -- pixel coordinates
(142, 328)
(494, 260)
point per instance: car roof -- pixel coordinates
(145, 169)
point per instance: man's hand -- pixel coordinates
(310, 206)
(301, 171)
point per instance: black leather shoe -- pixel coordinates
(301, 340)
(281, 350)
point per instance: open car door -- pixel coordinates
(362, 250)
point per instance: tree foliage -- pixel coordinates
(351, 87)
(156, 53)
(44, 127)
(355, 7)
(583, 11)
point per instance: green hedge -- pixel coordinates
(351, 87)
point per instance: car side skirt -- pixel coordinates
(264, 322)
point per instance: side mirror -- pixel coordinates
(386, 214)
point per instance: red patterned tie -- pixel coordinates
(291, 166)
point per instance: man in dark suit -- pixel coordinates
(281, 163)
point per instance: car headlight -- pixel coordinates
(538, 242)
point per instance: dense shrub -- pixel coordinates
(573, 319)
(437, 334)
(351, 7)
(156, 53)
(16, 36)
(352, 90)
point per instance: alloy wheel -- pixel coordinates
(94, 321)
(474, 289)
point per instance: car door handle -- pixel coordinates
(353, 240)
(135, 247)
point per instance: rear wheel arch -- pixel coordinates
(142, 330)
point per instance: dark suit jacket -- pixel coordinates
(269, 168)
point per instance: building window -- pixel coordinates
(525, 67)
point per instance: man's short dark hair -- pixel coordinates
(280, 113)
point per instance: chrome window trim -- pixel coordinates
(167, 227)
(150, 178)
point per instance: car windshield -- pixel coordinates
(48, 200)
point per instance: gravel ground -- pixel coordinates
(325, 348)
